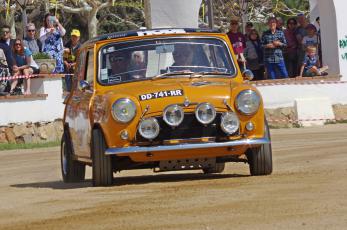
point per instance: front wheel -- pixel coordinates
(71, 170)
(260, 158)
(101, 166)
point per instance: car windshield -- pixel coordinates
(148, 59)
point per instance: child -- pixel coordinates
(311, 39)
(310, 65)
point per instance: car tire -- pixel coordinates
(218, 168)
(260, 158)
(71, 170)
(101, 165)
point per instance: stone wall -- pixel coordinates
(41, 132)
(286, 117)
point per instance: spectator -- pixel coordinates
(249, 28)
(51, 37)
(4, 72)
(254, 55)
(301, 29)
(26, 64)
(30, 41)
(4, 38)
(310, 65)
(273, 41)
(71, 48)
(300, 34)
(311, 39)
(280, 23)
(238, 41)
(291, 53)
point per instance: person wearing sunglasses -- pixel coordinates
(26, 64)
(5, 42)
(238, 41)
(119, 62)
(30, 41)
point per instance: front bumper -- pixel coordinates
(141, 149)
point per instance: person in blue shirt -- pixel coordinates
(273, 42)
(25, 62)
(311, 63)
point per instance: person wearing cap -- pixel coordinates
(30, 41)
(70, 52)
(238, 41)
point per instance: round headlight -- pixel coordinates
(205, 113)
(149, 128)
(123, 110)
(173, 115)
(230, 123)
(247, 102)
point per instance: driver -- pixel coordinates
(183, 55)
(119, 63)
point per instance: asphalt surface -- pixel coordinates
(307, 190)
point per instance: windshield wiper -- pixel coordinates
(165, 75)
(200, 74)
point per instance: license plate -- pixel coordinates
(161, 94)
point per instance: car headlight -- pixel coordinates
(173, 115)
(205, 113)
(123, 110)
(230, 123)
(149, 128)
(247, 102)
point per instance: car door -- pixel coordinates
(80, 104)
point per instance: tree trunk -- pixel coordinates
(92, 24)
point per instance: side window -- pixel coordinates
(89, 75)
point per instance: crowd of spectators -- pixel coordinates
(16, 55)
(282, 51)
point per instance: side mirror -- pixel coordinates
(84, 85)
(247, 75)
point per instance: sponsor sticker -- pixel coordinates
(161, 94)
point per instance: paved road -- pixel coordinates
(308, 190)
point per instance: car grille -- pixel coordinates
(190, 128)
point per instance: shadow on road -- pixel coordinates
(132, 180)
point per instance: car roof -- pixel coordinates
(146, 32)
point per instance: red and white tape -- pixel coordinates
(34, 75)
(313, 82)
(304, 120)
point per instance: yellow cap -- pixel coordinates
(75, 32)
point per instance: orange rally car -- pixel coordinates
(168, 99)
